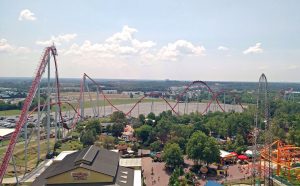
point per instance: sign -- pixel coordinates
(79, 175)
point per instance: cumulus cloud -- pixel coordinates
(180, 48)
(57, 40)
(254, 49)
(26, 15)
(223, 48)
(5, 47)
(124, 44)
(125, 35)
(121, 44)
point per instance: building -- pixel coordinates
(134, 163)
(134, 93)
(5, 133)
(127, 135)
(144, 153)
(88, 167)
(110, 91)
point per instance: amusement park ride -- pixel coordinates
(283, 156)
(272, 155)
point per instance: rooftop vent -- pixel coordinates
(87, 156)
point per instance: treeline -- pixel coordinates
(8, 106)
(233, 130)
(19, 105)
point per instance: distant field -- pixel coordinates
(75, 95)
(9, 112)
(88, 104)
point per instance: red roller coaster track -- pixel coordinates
(27, 103)
(51, 51)
(233, 95)
(24, 113)
(214, 97)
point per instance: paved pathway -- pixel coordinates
(160, 177)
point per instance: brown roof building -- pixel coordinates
(89, 167)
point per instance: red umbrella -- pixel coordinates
(234, 153)
(242, 157)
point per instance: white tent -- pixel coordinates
(224, 153)
(4, 132)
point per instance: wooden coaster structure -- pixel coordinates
(283, 157)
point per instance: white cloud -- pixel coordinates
(57, 40)
(180, 48)
(125, 35)
(146, 44)
(223, 48)
(121, 44)
(254, 49)
(26, 15)
(124, 45)
(5, 46)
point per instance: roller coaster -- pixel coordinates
(283, 157)
(78, 106)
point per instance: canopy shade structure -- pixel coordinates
(242, 157)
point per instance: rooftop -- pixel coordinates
(5, 131)
(62, 155)
(130, 162)
(91, 158)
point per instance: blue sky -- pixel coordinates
(228, 40)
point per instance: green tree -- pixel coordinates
(143, 132)
(239, 141)
(174, 181)
(108, 128)
(180, 141)
(108, 142)
(57, 145)
(163, 129)
(151, 116)
(80, 127)
(293, 137)
(172, 155)
(118, 117)
(94, 124)
(87, 138)
(155, 146)
(135, 147)
(202, 148)
(142, 118)
(117, 129)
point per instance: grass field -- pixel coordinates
(9, 112)
(19, 156)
